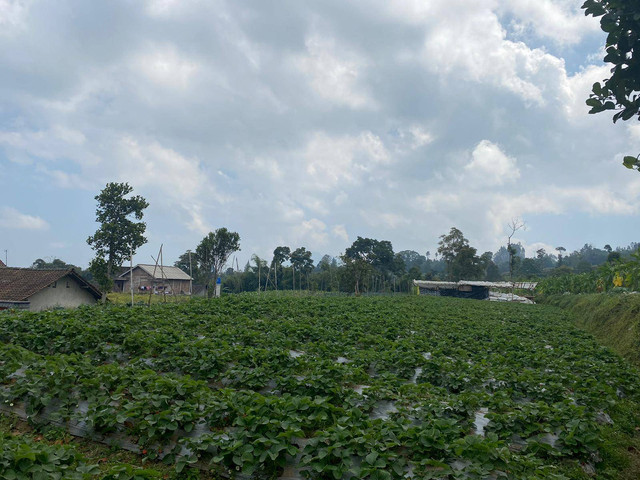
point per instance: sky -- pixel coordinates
(309, 124)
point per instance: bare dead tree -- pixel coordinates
(513, 226)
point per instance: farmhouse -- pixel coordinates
(461, 289)
(156, 278)
(36, 290)
(477, 290)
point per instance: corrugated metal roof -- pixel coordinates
(161, 273)
(434, 284)
(472, 283)
(18, 284)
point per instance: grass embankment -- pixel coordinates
(143, 298)
(613, 319)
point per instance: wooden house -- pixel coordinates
(156, 278)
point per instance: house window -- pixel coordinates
(68, 284)
(54, 284)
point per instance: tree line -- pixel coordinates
(368, 265)
(372, 266)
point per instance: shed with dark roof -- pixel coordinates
(36, 290)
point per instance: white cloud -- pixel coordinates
(288, 212)
(598, 200)
(65, 179)
(577, 88)
(333, 160)
(634, 133)
(485, 56)
(69, 135)
(162, 8)
(334, 73)
(268, 167)
(54, 143)
(490, 166)
(340, 232)
(413, 137)
(172, 179)
(437, 201)
(421, 136)
(166, 66)
(559, 20)
(384, 220)
(392, 119)
(12, 15)
(310, 233)
(10, 218)
(531, 248)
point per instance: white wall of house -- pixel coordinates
(66, 293)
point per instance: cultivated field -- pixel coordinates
(320, 387)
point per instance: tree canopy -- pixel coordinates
(280, 255)
(301, 261)
(189, 263)
(461, 258)
(620, 19)
(214, 251)
(118, 235)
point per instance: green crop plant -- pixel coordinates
(335, 387)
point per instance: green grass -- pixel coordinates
(143, 299)
(614, 319)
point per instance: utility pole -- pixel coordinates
(190, 276)
(6, 262)
(164, 290)
(131, 275)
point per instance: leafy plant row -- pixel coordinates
(613, 276)
(24, 459)
(361, 388)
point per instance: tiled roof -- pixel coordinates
(2, 264)
(168, 273)
(18, 284)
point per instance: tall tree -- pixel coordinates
(467, 265)
(119, 235)
(56, 263)
(412, 259)
(461, 259)
(189, 263)
(513, 226)
(280, 255)
(367, 255)
(214, 251)
(301, 261)
(621, 21)
(450, 246)
(98, 269)
(260, 269)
